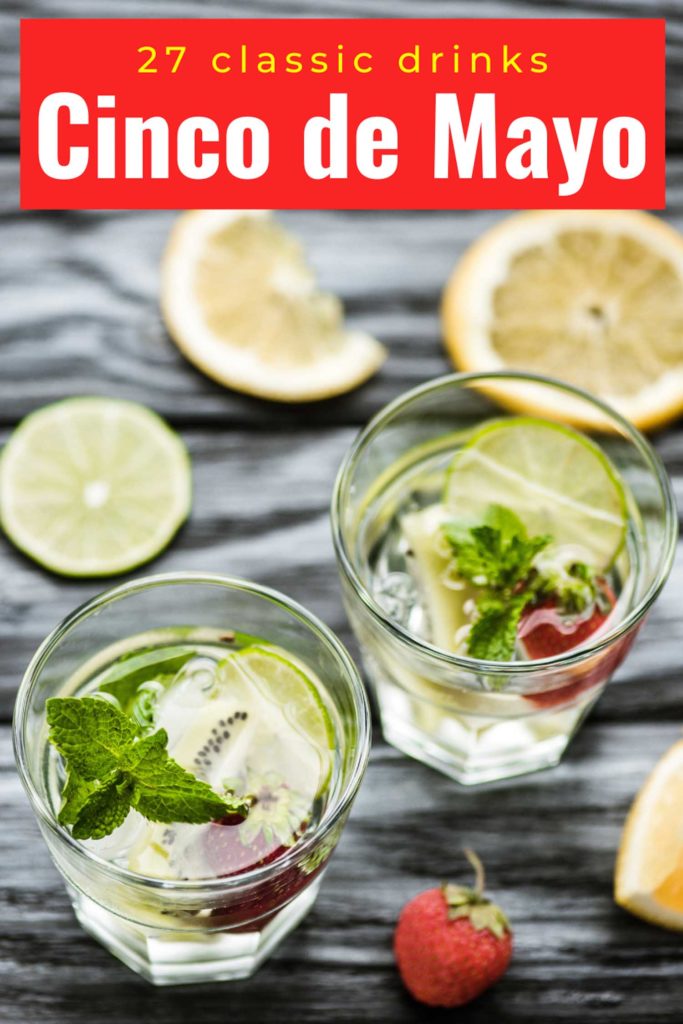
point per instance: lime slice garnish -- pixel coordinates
(286, 685)
(554, 478)
(93, 486)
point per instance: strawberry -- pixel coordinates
(544, 632)
(452, 943)
(229, 855)
(233, 845)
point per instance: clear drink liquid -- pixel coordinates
(251, 721)
(389, 561)
(466, 721)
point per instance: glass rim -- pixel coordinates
(480, 666)
(308, 842)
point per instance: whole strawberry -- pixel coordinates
(452, 943)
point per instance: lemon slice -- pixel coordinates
(241, 302)
(555, 479)
(649, 871)
(445, 605)
(93, 486)
(594, 297)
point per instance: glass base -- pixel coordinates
(475, 749)
(181, 958)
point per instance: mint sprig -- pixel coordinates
(112, 766)
(500, 559)
(494, 633)
(498, 554)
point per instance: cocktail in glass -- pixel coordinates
(457, 463)
(257, 699)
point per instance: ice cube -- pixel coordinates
(396, 593)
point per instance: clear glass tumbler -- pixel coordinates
(174, 932)
(476, 720)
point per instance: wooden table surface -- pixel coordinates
(78, 315)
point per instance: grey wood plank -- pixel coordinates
(79, 306)
(90, 282)
(249, 521)
(548, 842)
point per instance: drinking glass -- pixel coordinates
(477, 720)
(170, 931)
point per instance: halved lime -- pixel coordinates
(286, 685)
(556, 479)
(93, 486)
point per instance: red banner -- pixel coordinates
(342, 113)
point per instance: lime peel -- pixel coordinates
(283, 681)
(557, 480)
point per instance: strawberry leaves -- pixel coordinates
(471, 903)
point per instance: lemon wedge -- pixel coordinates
(241, 303)
(649, 871)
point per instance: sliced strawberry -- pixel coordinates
(544, 632)
(228, 855)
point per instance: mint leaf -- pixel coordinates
(500, 558)
(104, 810)
(494, 634)
(75, 793)
(111, 767)
(505, 521)
(147, 749)
(89, 733)
(575, 587)
(497, 554)
(164, 791)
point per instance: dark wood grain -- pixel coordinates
(79, 308)
(548, 841)
(78, 314)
